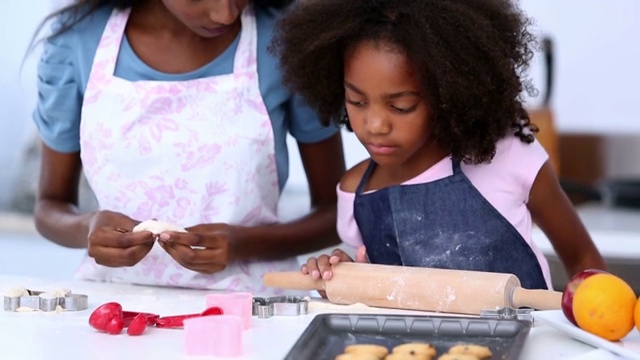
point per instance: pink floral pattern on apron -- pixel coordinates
(185, 152)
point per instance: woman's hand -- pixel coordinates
(204, 248)
(111, 243)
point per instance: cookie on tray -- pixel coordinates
(408, 356)
(414, 351)
(479, 351)
(458, 357)
(358, 356)
(373, 349)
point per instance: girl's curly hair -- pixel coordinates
(470, 55)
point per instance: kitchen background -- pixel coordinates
(594, 101)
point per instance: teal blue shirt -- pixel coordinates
(65, 65)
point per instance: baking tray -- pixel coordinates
(328, 334)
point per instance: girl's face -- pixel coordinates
(207, 18)
(386, 109)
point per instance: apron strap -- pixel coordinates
(456, 165)
(245, 59)
(104, 62)
(365, 177)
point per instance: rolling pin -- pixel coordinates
(415, 288)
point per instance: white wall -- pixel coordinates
(595, 90)
(597, 45)
(17, 89)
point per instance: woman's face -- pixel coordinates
(207, 18)
(386, 108)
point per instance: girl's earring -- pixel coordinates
(344, 119)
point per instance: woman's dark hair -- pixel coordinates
(471, 56)
(80, 9)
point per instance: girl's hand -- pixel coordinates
(320, 267)
(361, 255)
(204, 248)
(111, 243)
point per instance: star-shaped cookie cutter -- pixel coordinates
(46, 301)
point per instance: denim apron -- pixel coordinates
(444, 224)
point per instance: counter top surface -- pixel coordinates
(67, 335)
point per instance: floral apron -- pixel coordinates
(184, 152)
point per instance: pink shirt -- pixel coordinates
(505, 183)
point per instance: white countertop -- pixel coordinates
(67, 335)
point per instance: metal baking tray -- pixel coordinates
(328, 334)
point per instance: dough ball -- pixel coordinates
(479, 351)
(377, 350)
(157, 227)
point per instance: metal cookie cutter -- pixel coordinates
(46, 301)
(508, 313)
(265, 308)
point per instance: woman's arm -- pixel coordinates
(57, 217)
(552, 211)
(324, 166)
(105, 234)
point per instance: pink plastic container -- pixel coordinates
(219, 335)
(239, 303)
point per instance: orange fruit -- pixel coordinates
(604, 305)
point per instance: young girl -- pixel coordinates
(175, 111)
(432, 89)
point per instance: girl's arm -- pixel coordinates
(552, 211)
(324, 166)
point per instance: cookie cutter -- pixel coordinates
(43, 301)
(508, 313)
(265, 308)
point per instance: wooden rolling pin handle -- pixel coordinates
(537, 299)
(292, 280)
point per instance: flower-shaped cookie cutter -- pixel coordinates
(507, 313)
(45, 301)
(265, 308)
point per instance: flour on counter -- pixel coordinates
(58, 293)
(59, 309)
(16, 292)
(25, 309)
